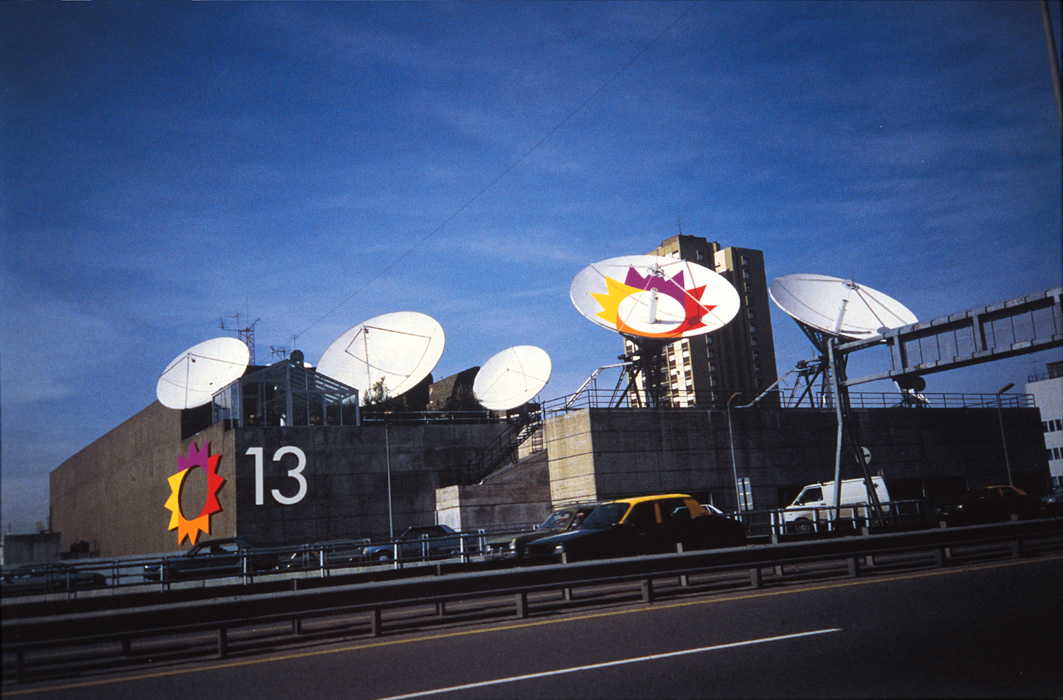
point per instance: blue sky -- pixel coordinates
(317, 164)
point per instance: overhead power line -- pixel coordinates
(504, 172)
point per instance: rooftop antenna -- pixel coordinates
(679, 223)
(246, 333)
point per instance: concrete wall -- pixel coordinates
(515, 496)
(29, 549)
(347, 474)
(570, 448)
(611, 453)
(113, 492)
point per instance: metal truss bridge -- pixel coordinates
(1016, 327)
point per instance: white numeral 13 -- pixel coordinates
(295, 472)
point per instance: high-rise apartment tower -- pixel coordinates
(706, 370)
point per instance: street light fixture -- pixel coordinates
(734, 464)
(1003, 438)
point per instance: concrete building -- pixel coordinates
(130, 491)
(285, 456)
(280, 456)
(705, 370)
(921, 453)
(1047, 391)
(133, 491)
(29, 549)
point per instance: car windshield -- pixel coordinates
(558, 520)
(605, 515)
(810, 494)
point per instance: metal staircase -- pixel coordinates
(504, 448)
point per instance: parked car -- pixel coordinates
(642, 525)
(561, 520)
(221, 557)
(328, 554)
(1052, 504)
(422, 542)
(991, 504)
(51, 577)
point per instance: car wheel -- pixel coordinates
(383, 556)
(803, 526)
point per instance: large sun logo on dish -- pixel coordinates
(202, 458)
(622, 299)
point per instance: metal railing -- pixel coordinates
(323, 559)
(717, 400)
(503, 449)
(849, 519)
(369, 416)
(95, 577)
(649, 577)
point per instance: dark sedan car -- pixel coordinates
(642, 525)
(421, 542)
(991, 504)
(52, 577)
(1052, 504)
(561, 520)
(229, 556)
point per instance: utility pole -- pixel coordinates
(1053, 61)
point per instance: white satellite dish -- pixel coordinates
(401, 348)
(512, 377)
(196, 374)
(654, 297)
(838, 307)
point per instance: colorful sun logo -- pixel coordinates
(620, 295)
(190, 529)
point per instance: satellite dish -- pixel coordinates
(196, 374)
(653, 297)
(512, 377)
(401, 348)
(838, 307)
(910, 382)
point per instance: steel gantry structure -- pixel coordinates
(984, 334)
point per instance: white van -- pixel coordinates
(815, 503)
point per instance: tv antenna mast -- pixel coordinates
(246, 332)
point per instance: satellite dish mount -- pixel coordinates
(829, 311)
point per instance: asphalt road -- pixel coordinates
(992, 630)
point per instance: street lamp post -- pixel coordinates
(734, 464)
(387, 457)
(1003, 437)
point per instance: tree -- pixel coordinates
(378, 394)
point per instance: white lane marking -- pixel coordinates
(574, 669)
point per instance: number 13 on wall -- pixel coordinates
(295, 472)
